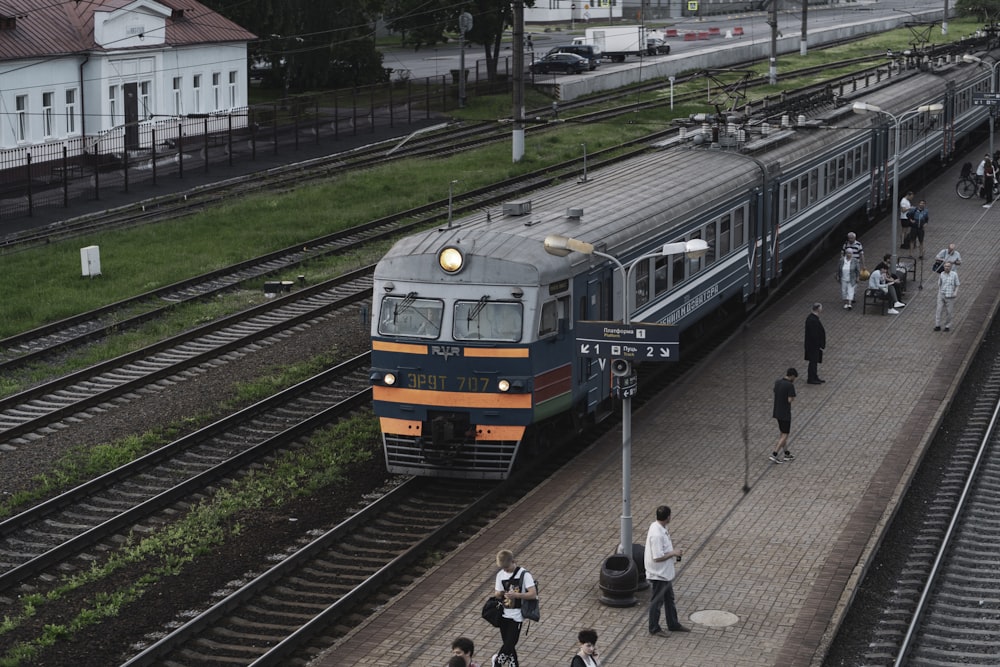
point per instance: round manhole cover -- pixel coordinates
(714, 618)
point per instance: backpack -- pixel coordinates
(966, 170)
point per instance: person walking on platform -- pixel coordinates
(587, 655)
(784, 394)
(948, 254)
(848, 274)
(659, 561)
(815, 343)
(918, 220)
(513, 584)
(989, 174)
(854, 245)
(947, 291)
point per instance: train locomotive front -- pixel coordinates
(458, 371)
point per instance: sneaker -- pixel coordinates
(937, 328)
(775, 458)
(947, 328)
(789, 456)
(899, 304)
(987, 205)
(846, 306)
(892, 311)
(850, 307)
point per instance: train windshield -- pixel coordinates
(410, 316)
(488, 320)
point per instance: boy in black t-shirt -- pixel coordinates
(784, 394)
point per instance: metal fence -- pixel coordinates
(57, 173)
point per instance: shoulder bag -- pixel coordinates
(493, 611)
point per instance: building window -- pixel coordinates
(145, 110)
(21, 108)
(47, 115)
(177, 96)
(113, 104)
(197, 93)
(216, 91)
(232, 90)
(71, 111)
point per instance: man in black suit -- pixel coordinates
(815, 343)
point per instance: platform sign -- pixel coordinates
(985, 99)
(638, 341)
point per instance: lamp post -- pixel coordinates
(865, 107)
(556, 244)
(993, 89)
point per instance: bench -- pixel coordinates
(875, 297)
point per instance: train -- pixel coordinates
(474, 323)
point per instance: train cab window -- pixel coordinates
(409, 316)
(552, 312)
(488, 320)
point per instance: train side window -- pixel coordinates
(865, 159)
(739, 222)
(678, 272)
(710, 239)
(642, 283)
(725, 233)
(695, 265)
(661, 284)
(840, 172)
(406, 316)
(813, 185)
(831, 176)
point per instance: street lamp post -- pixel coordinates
(556, 244)
(865, 107)
(993, 89)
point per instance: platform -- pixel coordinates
(786, 556)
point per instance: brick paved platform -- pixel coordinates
(786, 556)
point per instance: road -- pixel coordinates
(439, 59)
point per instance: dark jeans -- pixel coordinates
(510, 632)
(662, 595)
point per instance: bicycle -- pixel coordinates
(968, 186)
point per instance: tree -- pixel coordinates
(426, 21)
(986, 10)
(311, 44)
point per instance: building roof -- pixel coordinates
(43, 28)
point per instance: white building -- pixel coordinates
(73, 71)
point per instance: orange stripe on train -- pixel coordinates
(451, 399)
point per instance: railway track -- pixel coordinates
(103, 383)
(52, 533)
(944, 608)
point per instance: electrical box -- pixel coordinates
(90, 261)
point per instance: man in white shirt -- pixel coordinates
(659, 561)
(880, 280)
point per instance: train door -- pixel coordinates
(596, 373)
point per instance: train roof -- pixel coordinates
(621, 208)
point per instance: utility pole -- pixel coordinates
(518, 46)
(944, 21)
(803, 41)
(772, 20)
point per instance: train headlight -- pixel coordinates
(387, 379)
(503, 385)
(451, 260)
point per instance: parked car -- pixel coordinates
(568, 63)
(591, 53)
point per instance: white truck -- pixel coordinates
(617, 42)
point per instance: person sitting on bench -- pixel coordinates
(881, 281)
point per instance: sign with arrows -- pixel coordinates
(985, 99)
(638, 341)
